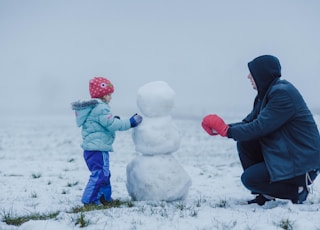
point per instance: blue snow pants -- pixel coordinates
(99, 181)
(256, 177)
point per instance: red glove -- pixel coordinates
(209, 130)
(213, 125)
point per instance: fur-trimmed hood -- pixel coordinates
(82, 110)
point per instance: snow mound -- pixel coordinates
(155, 136)
(155, 99)
(157, 178)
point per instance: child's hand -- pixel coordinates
(135, 120)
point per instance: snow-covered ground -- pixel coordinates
(42, 171)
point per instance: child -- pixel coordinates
(98, 133)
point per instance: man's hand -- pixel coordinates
(213, 125)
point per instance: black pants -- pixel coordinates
(256, 177)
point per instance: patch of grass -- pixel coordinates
(65, 191)
(34, 195)
(36, 175)
(286, 224)
(217, 224)
(81, 221)
(112, 204)
(181, 206)
(71, 160)
(185, 210)
(200, 201)
(164, 212)
(13, 175)
(193, 212)
(11, 219)
(72, 184)
(130, 204)
(221, 204)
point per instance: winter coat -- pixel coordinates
(98, 124)
(281, 122)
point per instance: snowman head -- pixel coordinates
(155, 99)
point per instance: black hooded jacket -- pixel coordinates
(281, 122)
(265, 70)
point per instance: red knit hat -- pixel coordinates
(99, 87)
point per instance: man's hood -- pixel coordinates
(264, 70)
(82, 110)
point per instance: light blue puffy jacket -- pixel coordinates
(98, 124)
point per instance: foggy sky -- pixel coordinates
(50, 49)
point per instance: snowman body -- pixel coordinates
(155, 174)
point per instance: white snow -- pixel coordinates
(156, 175)
(157, 135)
(43, 225)
(157, 178)
(155, 99)
(42, 171)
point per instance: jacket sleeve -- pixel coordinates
(111, 123)
(277, 111)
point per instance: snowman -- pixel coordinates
(155, 174)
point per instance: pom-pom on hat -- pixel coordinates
(99, 87)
